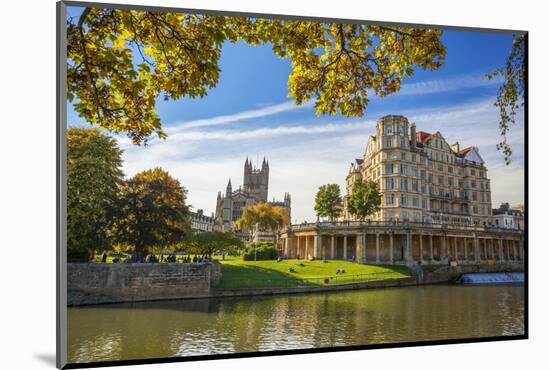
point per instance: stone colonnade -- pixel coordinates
(399, 246)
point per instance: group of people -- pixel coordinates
(153, 258)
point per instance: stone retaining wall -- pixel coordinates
(92, 283)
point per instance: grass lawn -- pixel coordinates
(237, 273)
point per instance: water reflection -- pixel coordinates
(212, 326)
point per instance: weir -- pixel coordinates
(493, 278)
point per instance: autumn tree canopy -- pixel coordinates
(151, 212)
(94, 173)
(121, 61)
(268, 217)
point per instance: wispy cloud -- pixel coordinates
(240, 116)
(269, 132)
(448, 84)
(418, 88)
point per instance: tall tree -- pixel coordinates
(268, 217)
(328, 201)
(365, 198)
(93, 176)
(121, 61)
(151, 212)
(511, 95)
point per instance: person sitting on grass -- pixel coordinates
(291, 269)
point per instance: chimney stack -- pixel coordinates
(455, 147)
(413, 135)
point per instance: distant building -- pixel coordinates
(421, 177)
(509, 218)
(201, 222)
(254, 190)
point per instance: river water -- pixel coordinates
(229, 325)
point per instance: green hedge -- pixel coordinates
(263, 251)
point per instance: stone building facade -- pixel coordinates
(422, 178)
(254, 190)
(508, 217)
(201, 222)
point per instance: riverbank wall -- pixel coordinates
(91, 284)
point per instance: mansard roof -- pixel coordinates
(466, 150)
(471, 154)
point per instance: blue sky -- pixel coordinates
(248, 114)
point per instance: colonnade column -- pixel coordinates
(317, 244)
(443, 254)
(431, 248)
(420, 236)
(288, 246)
(391, 248)
(360, 248)
(377, 248)
(408, 248)
(505, 251)
(500, 251)
(332, 255)
(345, 247)
(455, 244)
(476, 249)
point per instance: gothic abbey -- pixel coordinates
(254, 190)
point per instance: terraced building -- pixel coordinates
(422, 177)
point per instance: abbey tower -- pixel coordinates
(256, 181)
(254, 190)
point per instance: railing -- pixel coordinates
(394, 224)
(292, 282)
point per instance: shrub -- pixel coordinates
(263, 251)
